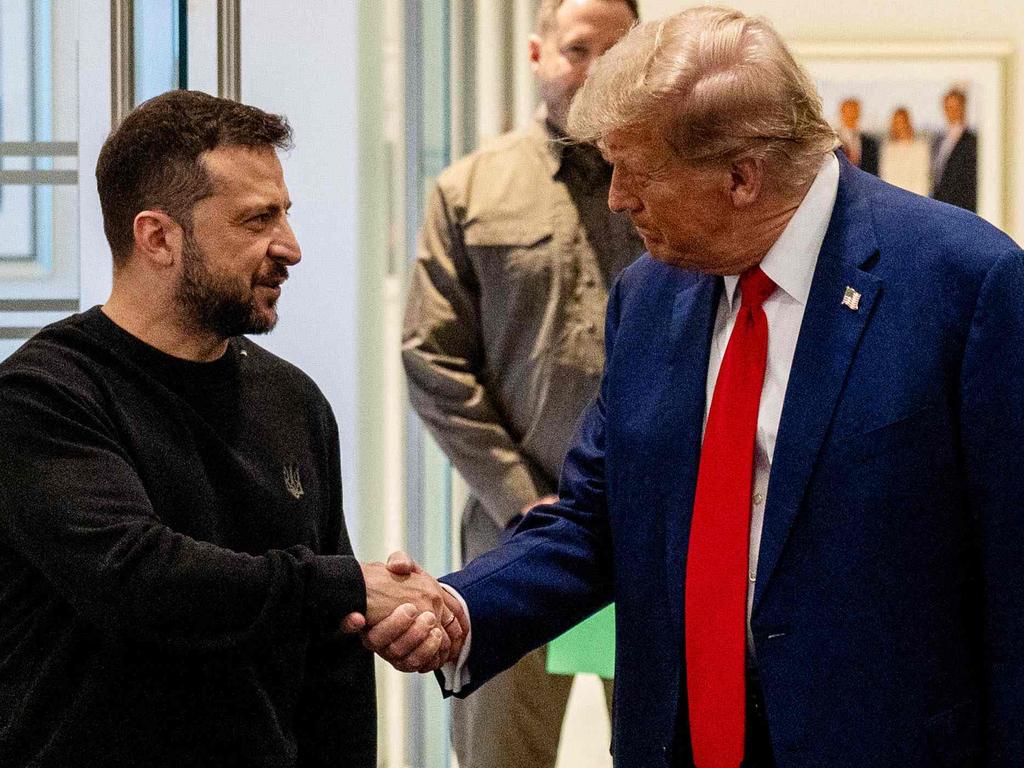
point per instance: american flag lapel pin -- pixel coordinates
(851, 299)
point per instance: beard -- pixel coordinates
(224, 306)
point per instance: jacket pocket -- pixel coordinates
(905, 430)
(516, 248)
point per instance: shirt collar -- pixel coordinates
(552, 146)
(559, 153)
(954, 133)
(791, 260)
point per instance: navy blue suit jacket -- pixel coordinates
(889, 610)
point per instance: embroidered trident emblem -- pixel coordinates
(292, 481)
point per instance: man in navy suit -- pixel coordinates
(800, 481)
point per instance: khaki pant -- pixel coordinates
(515, 719)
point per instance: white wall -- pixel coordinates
(304, 65)
(95, 266)
(907, 20)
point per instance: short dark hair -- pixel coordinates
(547, 10)
(153, 160)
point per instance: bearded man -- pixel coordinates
(174, 559)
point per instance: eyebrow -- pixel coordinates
(576, 38)
(249, 210)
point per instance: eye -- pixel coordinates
(576, 52)
(259, 220)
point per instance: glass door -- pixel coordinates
(38, 166)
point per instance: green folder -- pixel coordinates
(587, 647)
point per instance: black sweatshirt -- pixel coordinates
(174, 563)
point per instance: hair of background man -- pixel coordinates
(153, 160)
(548, 9)
(728, 84)
(956, 93)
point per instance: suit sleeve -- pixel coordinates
(992, 426)
(444, 361)
(557, 568)
(74, 507)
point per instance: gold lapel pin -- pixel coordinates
(851, 298)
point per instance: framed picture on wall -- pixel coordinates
(929, 117)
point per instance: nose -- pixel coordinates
(619, 196)
(285, 246)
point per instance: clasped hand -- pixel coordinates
(410, 621)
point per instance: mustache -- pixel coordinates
(274, 277)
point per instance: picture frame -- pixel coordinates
(917, 76)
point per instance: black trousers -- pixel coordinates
(758, 748)
(757, 752)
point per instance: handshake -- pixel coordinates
(411, 621)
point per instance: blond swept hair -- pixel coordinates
(726, 84)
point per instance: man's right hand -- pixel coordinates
(388, 587)
(551, 498)
(415, 635)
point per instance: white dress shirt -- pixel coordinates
(790, 263)
(949, 141)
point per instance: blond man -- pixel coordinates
(800, 481)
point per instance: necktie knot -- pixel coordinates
(755, 287)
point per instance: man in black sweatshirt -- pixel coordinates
(174, 562)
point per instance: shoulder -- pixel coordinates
(278, 378)
(57, 374)
(931, 253)
(501, 176)
(647, 272)
(928, 234)
(495, 156)
(62, 351)
(649, 287)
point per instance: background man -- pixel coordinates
(503, 340)
(800, 481)
(860, 149)
(175, 563)
(956, 156)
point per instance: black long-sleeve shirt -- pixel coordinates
(174, 562)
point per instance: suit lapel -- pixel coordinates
(829, 337)
(682, 412)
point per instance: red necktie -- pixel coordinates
(717, 560)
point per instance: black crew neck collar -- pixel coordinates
(172, 369)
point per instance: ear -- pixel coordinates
(158, 238)
(746, 179)
(534, 43)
